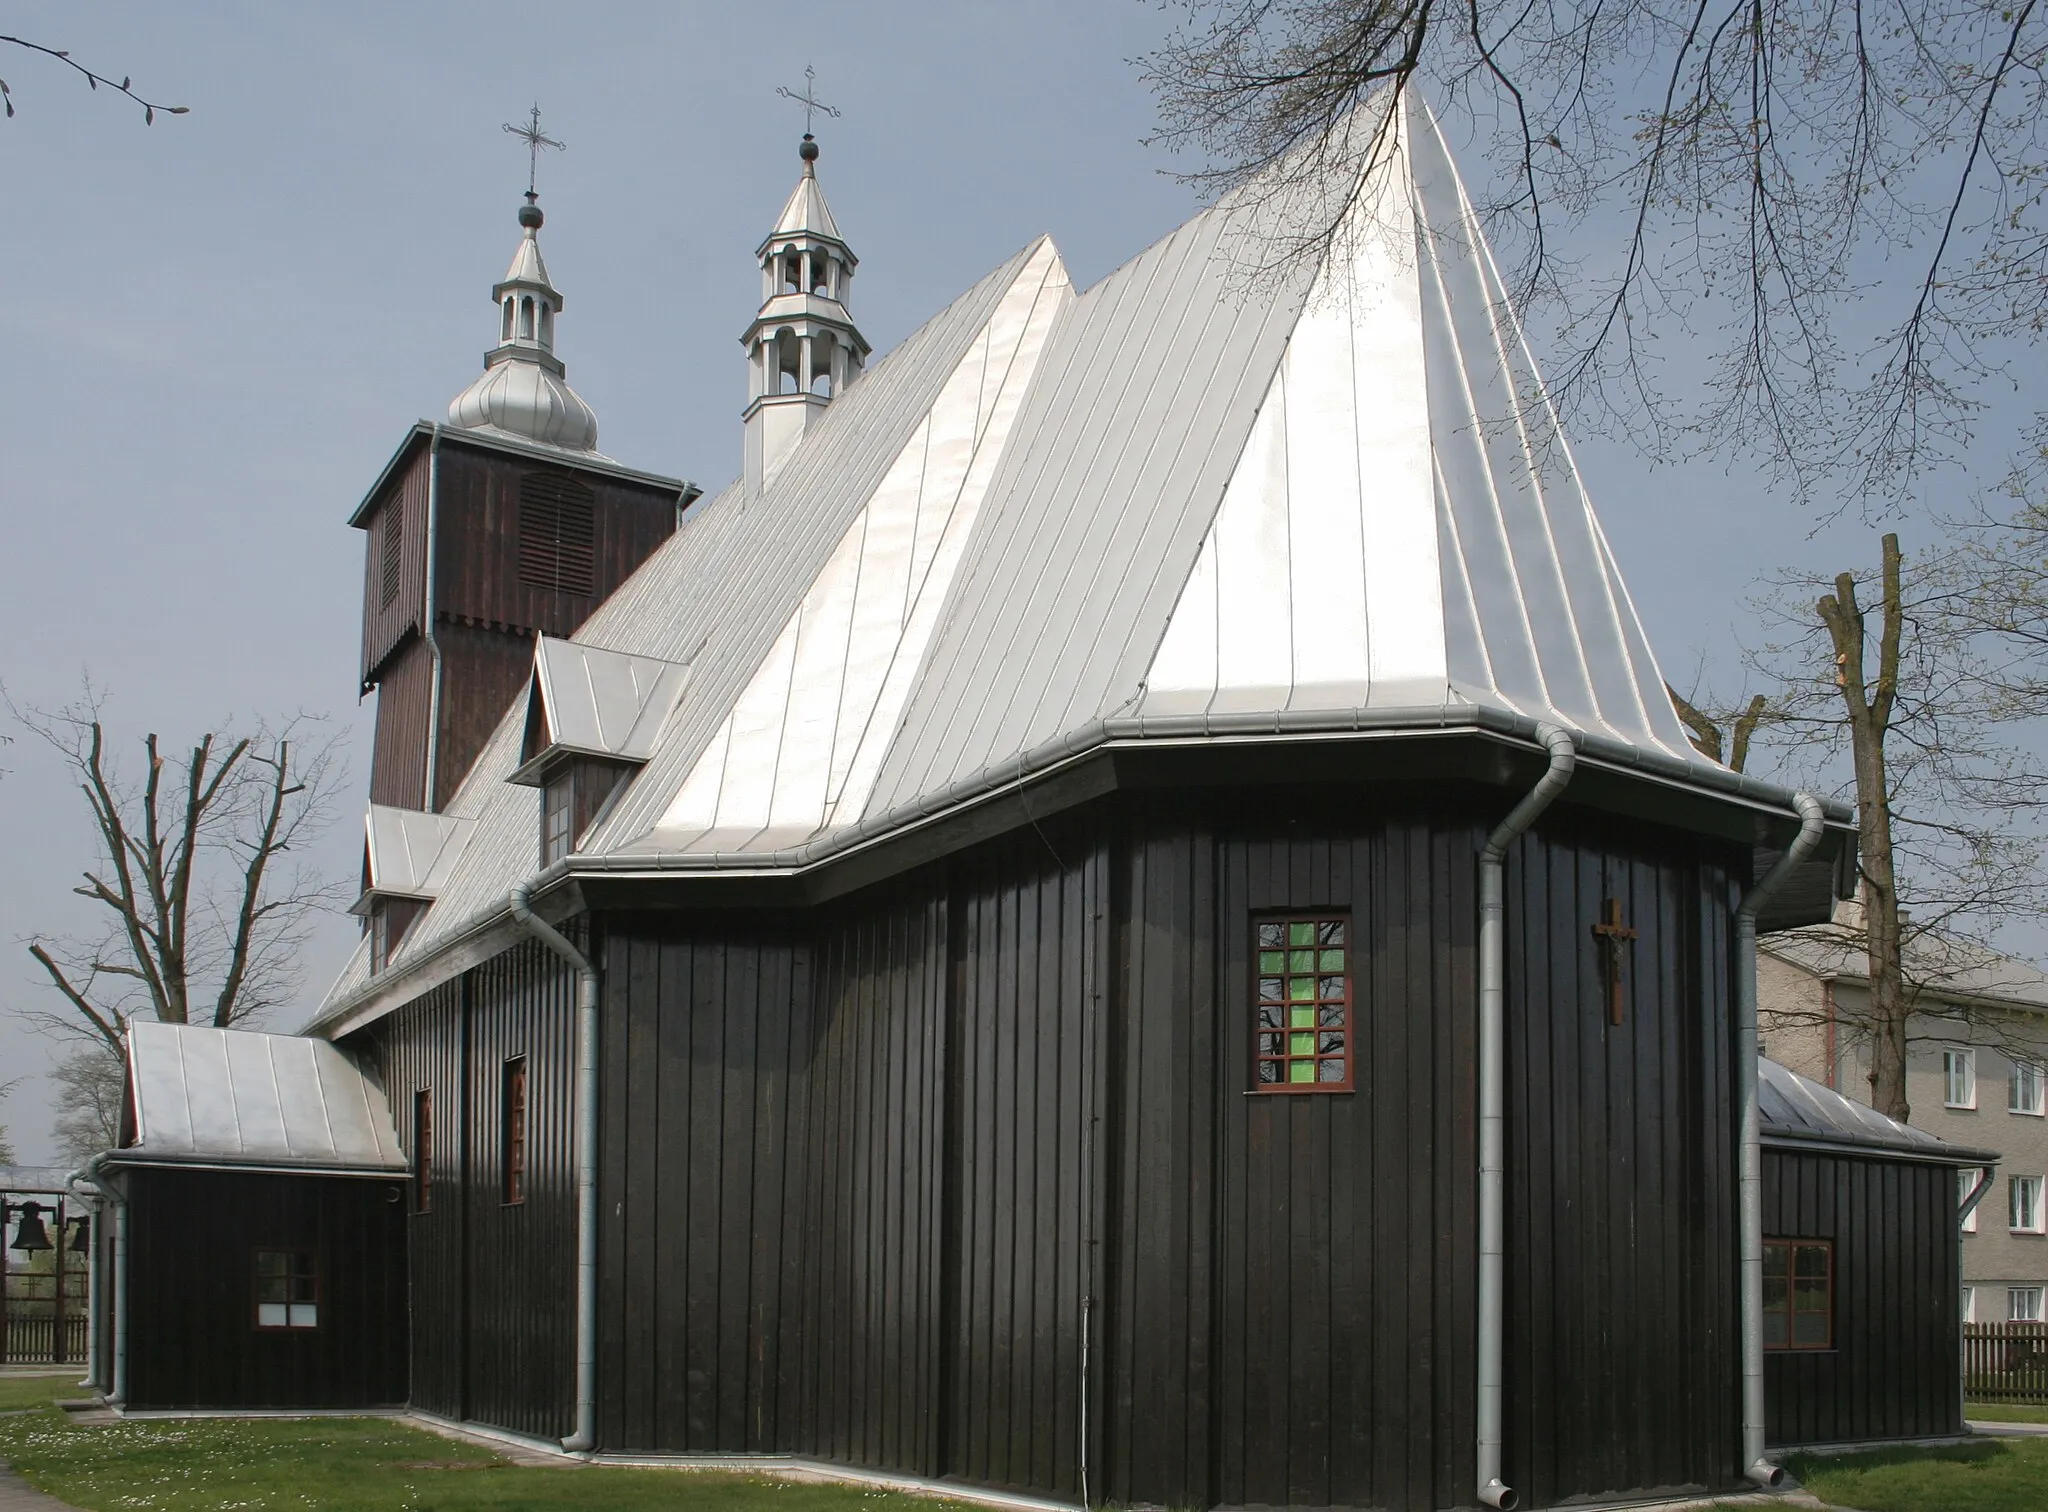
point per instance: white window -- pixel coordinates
(1959, 1070)
(1966, 1183)
(2023, 1304)
(2025, 1089)
(2024, 1192)
(1969, 1304)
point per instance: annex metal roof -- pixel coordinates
(410, 853)
(234, 1098)
(1795, 1110)
(1222, 493)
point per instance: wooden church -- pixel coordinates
(1123, 917)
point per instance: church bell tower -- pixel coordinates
(802, 347)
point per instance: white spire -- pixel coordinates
(802, 347)
(522, 391)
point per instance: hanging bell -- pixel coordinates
(81, 1235)
(30, 1235)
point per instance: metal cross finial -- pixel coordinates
(530, 134)
(808, 99)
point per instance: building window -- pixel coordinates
(557, 533)
(1302, 1012)
(1966, 1183)
(1969, 1304)
(512, 1132)
(287, 1289)
(2023, 1304)
(2024, 1193)
(557, 825)
(2025, 1089)
(1959, 1078)
(1799, 1294)
(422, 1151)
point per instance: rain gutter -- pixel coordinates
(396, 984)
(1493, 1491)
(584, 1438)
(1749, 1141)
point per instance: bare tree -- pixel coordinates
(1840, 206)
(90, 1084)
(1889, 672)
(6, 1144)
(92, 80)
(204, 901)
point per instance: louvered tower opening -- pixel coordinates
(394, 548)
(557, 533)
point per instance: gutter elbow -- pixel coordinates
(1495, 1494)
(1771, 1477)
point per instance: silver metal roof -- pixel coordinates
(605, 703)
(1939, 968)
(230, 1097)
(1797, 1110)
(411, 853)
(1220, 491)
(806, 213)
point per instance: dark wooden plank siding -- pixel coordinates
(1895, 1367)
(1621, 1201)
(192, 1339)
(494, 1294)
(485, 670)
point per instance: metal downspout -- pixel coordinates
(427, 622)
(584, 1438)
(1749, 1138)
(1493, 1491)
(79, 1184)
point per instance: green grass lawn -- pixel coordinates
(364, 1465)
(1993, 1475)
(33, 1391)
(2004, 1412)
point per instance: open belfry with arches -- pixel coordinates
(1123, 916)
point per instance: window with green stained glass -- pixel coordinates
(1302, 989)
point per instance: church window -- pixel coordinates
(557, 824)
(423, 1151)
(821, 273)
(547, 324)
(287, 1289)
(1799, 1294)
(392, 528)
(557, 533)
(1302, 1008)
(792, 269)
(526, 318)
(506, 333)
(389, 920)
(512, 1131)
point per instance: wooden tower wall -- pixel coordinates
(493, 590)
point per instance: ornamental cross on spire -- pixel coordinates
(808, 99)
(530, 134)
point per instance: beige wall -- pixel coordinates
(1792, 1012)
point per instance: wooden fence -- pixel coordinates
(2005, 1362)
(32, 1341)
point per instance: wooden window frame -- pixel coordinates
(316, 1274)
(1265, 1034)
(513, 1122)
(1791, 1310)
(423, 1150)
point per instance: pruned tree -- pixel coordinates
(1710, 734)
(1888, 674)
(6, 1144)
(1838, 208)
(198, 882)
(92, 80)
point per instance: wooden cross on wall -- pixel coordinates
(1612, 934)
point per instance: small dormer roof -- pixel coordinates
(593, 702)
(411, 853)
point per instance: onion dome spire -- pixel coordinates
(523, 391)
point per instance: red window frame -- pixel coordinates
(1783, 1312)
(512, 1131)
(300, 1265)
(1303, 1007)
(423, 1150)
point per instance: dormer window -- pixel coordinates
(407, 855)
(389, 919)
(573, 797)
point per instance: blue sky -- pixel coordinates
(214, 331)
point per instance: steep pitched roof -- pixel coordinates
(1217, 492)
